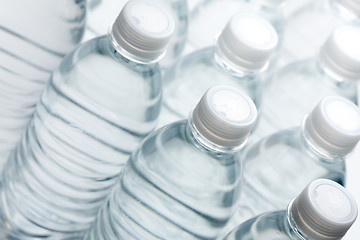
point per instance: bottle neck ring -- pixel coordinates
(208, 145)
(127, 54)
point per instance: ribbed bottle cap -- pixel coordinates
(341, 52)
(247, 42)
(224, 116)
(351, 5)
(324, 210)
(143, 29)
(334, 125)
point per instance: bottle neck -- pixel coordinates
(291, 227)
(316, 151)
(238, 71)
(201, 142)
(126, 54)
(331, 76)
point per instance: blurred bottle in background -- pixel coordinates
(279, 166)
(185, 179)
(239, 58)
(35, 36)
(307, 28)
(209, 18)
(98, 106)
(296, 88)
(323, 210)
(103, 12)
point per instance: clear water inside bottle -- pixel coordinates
(185, 84)
(278, 168)
(95, 111)
(171, 188)
(294, 92)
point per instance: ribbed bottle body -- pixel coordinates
(35, 36)
(95, 111)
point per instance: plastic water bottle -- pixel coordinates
(184, 181)
(307, 29)
(324, 210)
(209, 17)
(279, 166)
(106, 11)
(34, 37)
(98, 106)
(298, 87)
(239, 58)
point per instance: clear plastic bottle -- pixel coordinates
(239, 58)
(35, 36)
(279, 166)
(307, 29)
(298, 87)
(184, 181)
(324, 210)
(98, 106)
(106, 11)
(209, 18)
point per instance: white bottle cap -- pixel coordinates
(341, 52)
(351, 5)
(334, 125)
(143, 29)
(224, 116)
(324, 210)
(247, 42)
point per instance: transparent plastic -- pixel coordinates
(268, 226)
(97, 108)
(35, 36)
(173, 187)
(185, 84)
(104, 13)
(278, 168)
(294, 91)
(286, 224)
(308, 28)
(209, 17)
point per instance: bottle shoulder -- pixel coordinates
(278, 167)
(173, 148)
(308, 77)
(207, 62)
(207, 181)
(187, 81)
(271, 225)
(202, 57)
(101, 81)
(290, 142)
(101, 47)
(295, 90)
(176, 139)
